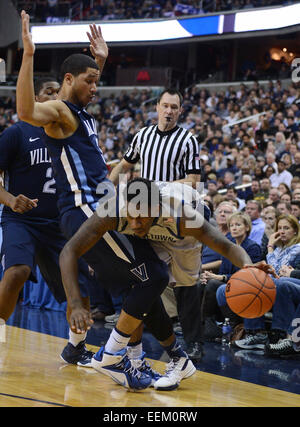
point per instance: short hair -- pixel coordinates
(257, 203)
(232, 187)
(40, 81)
(245, 217)
(295, 202)
(171, 91)
(148, 188)
(225, 202)
(77, 64)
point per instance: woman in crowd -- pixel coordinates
(283, 251)
(239, 225)
(269, 216)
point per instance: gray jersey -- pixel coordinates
(182, 254)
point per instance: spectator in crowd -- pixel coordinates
(282, 176)
(239, 225)
(265, 185)
(211, 260)
(253, 209)
(283, 208)
(294, 169)
(284, 244)
(295, 209)
(269, 215)
(283, 251)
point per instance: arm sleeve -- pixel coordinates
(132, 155)
(192, 160)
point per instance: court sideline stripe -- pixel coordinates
(34, 400)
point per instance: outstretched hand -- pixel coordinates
(262, 265)
(28, 45)
(98, 45)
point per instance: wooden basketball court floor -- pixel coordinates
(33, 375)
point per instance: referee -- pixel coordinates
(170, 153)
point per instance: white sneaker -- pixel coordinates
(177, 369)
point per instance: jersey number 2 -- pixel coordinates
(49, 186)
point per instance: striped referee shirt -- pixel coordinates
(164, 156)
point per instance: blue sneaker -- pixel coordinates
(78, 355)
(143, 366)
(119, 368)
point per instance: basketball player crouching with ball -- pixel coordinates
(128, 220)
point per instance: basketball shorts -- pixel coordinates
(31, 244)
(123, 265)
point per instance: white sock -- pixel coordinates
(116, 341)
(75, 339)
(135, 351)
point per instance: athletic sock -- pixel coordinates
(75, 339)
(135, 350)
(116, 341)
(175, 350)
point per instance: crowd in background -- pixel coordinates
(249, 149)
(228, 148)
(45, 10)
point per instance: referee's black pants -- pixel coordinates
(188, 299)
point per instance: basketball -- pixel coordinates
(250, 292)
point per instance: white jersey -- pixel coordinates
(182, 254)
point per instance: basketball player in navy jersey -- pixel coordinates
(30, 218)
(79, 167)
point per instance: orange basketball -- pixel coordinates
(250, 292)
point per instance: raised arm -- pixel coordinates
(98, 46)
(35, 113)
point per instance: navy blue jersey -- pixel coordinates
(26, 164)
(78, 163)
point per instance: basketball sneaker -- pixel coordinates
(143, 366)
(258, 340)
(283, 349)
(78, 355)
(177, 369)
(119, 367)
(195, 351)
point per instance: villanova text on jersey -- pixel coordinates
(78, 163)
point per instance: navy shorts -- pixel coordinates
(39, 243)
(124, 265)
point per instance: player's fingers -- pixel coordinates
(99, 30)
(93, 31)
(89, 36)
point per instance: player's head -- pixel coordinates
(143, 205)
(169, 108)
(80, 75)
(46, 89)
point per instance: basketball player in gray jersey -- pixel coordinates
(127, 218)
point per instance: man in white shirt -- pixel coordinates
(282, 176)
